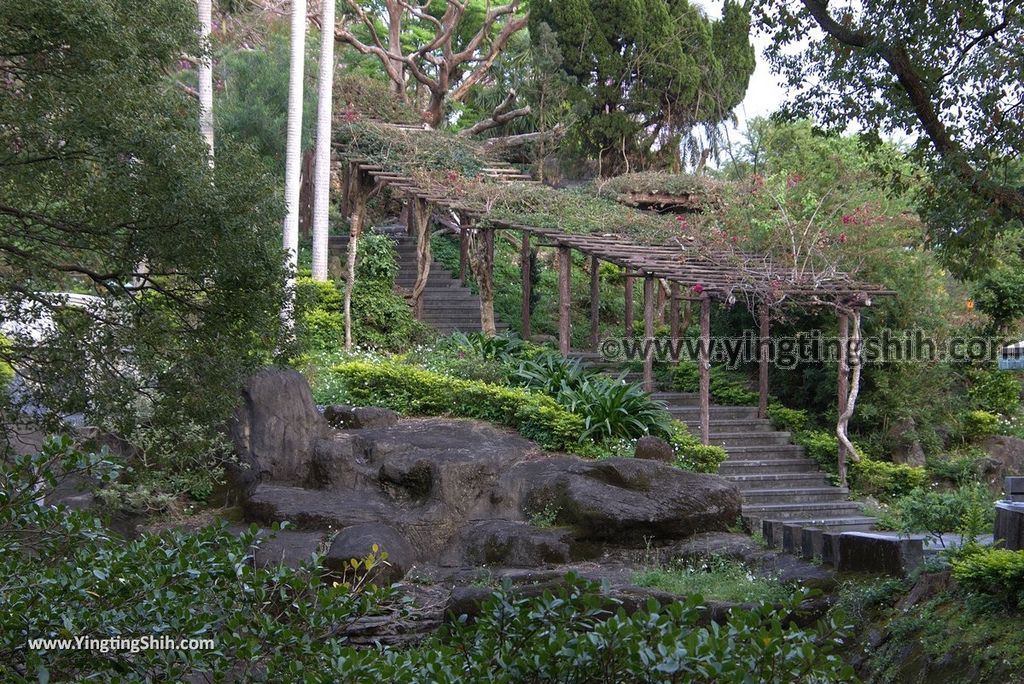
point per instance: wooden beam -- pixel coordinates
(843, 383)
(674, 319)
(595, 302)
(649, 304)
(629, 307)
(564, 297)
(762, 361)
(485, 281)
(705, 370)
(524, 261)
(463, 250)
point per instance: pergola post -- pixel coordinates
(595, 302)
(564, 295)
(524, 261)
(419, 218)
(485, 281)
(762, 362)
(463, 251)
(843, 383)
(673, 307)
(629, 307)
(705, 369)
(649, 303)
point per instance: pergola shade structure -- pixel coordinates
(647, 246)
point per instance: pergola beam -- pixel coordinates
(595, 302)
(564, 299)
(649, 296)
(525, 258)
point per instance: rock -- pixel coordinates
(511, 544)
(274, 430)
(286, 547)
(344, 417)
(1005, 459)
(1010, 524)
(906, 448)
(654, 449)
(357, 542)
(879, 553)
(627, 500)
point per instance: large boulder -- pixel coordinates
(906, 447)
(345, 417)
(654, 449)
(274, 430)
(512, 544)
(1005, 459)
(626, 500)
(357, 542)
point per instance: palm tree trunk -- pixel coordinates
(206, 75)
(293, 152)
(322, 163)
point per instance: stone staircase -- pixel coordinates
(448, 305)
(778, 481)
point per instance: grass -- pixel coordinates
(714, 577)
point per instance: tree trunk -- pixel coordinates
(649, 306)
(628, 325)
(485, 281)
(322, 161)
(564, 299)
(705, 370)
(420, 213)
(293, 152)
(762, 361)
(851, 399)
(357, 201)
(595, 302)
(525, 262)
(206, 75)
(674, 320)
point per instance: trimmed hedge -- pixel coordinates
(414, 391)
(691, 454)
(997, 572)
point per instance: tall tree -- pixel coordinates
(293, 147)
(648, 72)
(454, 46)
(206, 74)
(947, 72)
(322, 155)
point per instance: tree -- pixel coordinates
(454, 45)
(947, 72)
(647, 72)
(206, 75)
(293, 148)
(102, 169)
(322, 163)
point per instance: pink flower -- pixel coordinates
(735, 239)
(842, 238)
(848, 219)
(698, 288)
(684, 223)
(793, 180)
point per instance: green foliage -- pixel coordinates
(994, 390)
(415, 391)
(793, 420)
(959, 466)
(545, 517)
(377, 261)
(716, 578)
(356, 94)
(614, 409)
(639, 65)
(728, 387)
(103, 171)
(884, 479)
(999, 292)
(996, 572)
(936, 512)
(550, 372)
(691, 454)
(699, 188)
(980, 424)
(6, 371)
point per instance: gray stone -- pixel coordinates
(357, 542)
(625, 499)
(906, 448)
(512, 544)
(830, 548)
(274, 430)
(1005, 459)
(286, 547)
(812, 542)
(344, 417)
(879, 553)
(1010, 524)
(1014, 488)
(654, 449)
(772, 532)
(792, 539)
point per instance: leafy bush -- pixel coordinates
(995, 391)
(691, 454)
(714, 577)
(728, 388)
(378, 260)
(415, 391)
(794, 420)
(963, 465)
(996, 572)
(6, 372)
(980, 424)
(614, 409)
(550, 372)
(884, 479)
(935, 513)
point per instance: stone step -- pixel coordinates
(733, 425)
(778, 480)
(848, 523)
(692, 413)
(795, 495)
(766, 451)
(678, 398)
(775, 466)
(740, 439)
(803, 511)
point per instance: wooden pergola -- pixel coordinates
(692, 275)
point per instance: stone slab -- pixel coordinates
(879, 553)
(1010, 524)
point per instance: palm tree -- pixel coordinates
(206, 75)
(322, 155)
(293, 150)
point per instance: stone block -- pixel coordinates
(1010, 524)
(1014, 489)
(879, 553)
(792, 539)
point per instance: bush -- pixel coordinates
(728, 388)
(979, 424)
(883, 479)
(996, 572)
(6, 372)
(995, 391)
(793, 420)
(691, 454)
(614, 409)
(935, 513)
(550, 372)
(415, 391)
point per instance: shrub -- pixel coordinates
(935, 513)
(505, 347)
(378, 260)
(979, 424)
(996, 572)
(415, 391)
(995, 391)
(794, 420)
(714, 577)
(550, 372)
(614, 409)
(691, 454)
(728, 388)
(883, 479)
(6, 372)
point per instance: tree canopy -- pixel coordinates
(648, 72)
